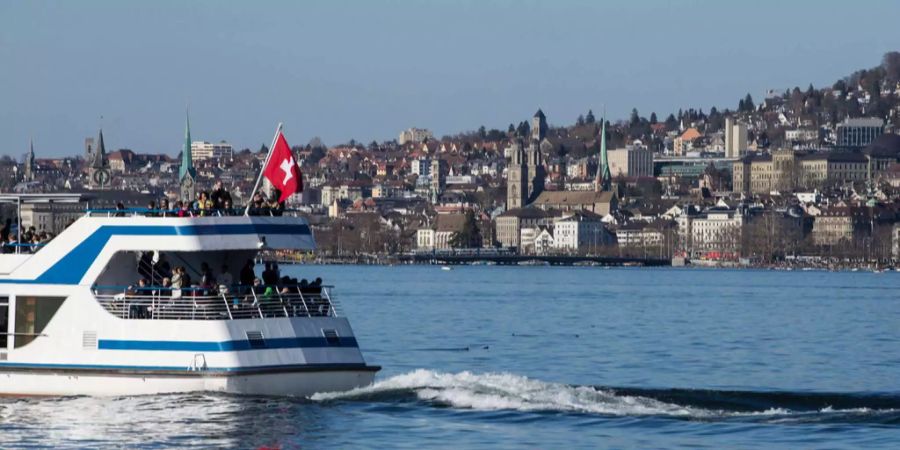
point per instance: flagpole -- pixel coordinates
(263, 169)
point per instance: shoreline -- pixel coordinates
(536, 262)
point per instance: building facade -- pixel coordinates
(508, 226)
(415, 135)
(838, 225)
(202, 150)
(858, 133)
(788, 170)
(735, 138)
(631, 162)
(712, 235)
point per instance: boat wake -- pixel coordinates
(510, 392)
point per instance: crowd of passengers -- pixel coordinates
(160, 280)
(31, 239)
(217, 202)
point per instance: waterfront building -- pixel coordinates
(642, 235)
(859, 132)
(735, 138)
(581, 230)
(439, 236)
(202, 150)
(715, 234)
(415, 135)
(509, 225)
(838, 224)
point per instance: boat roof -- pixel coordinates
(43, 198)
(84, 248)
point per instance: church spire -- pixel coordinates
(603, 175)
(187, 162)
(99, 154)
(29, 162)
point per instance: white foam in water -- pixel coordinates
(504, 391)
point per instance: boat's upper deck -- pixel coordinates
(82, 251)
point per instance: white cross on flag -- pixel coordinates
(282, 171)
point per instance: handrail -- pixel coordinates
(190, 212)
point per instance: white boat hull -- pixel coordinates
(285, 383)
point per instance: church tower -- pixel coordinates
(536, 172)
(604, 179)
(29, 163)
(187, 175)
(99, 173)
(516, 178)
(538, 126)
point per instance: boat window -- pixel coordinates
(32, 315)
(4, 322)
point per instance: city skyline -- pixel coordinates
(321, 68)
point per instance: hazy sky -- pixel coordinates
(367, 70)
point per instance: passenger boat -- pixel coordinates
(73, 323)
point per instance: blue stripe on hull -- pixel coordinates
(225, 346)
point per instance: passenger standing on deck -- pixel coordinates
(177, 281)
(270, 275)
(164, 208)
(224, 280)
(247, 274)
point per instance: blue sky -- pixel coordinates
(366, 70)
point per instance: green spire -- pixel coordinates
(187, 163)
(605, 176)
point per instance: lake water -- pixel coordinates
(547, 357)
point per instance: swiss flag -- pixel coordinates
(282, 171)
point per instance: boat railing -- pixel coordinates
(189, 212)
(18, 248)
(235, 302)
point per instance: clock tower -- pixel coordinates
(99, 173)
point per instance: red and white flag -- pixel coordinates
(282, 170)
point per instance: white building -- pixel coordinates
(414, 135)
(801, 135)
(581, 230)
(735, 138)
(421, 167)
(631, 162)
(715, 235)
(440, 235)
(201, 150)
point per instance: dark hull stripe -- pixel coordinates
(162, 371)
(226, 346)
